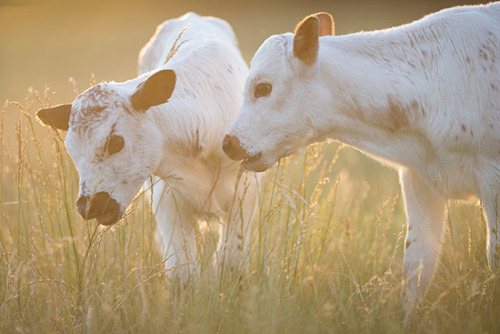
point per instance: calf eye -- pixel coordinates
(115, 144)
(262, 89)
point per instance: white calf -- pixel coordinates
(169, 122)
(423, 97)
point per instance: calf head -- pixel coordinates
(276, 116)
(112, 142)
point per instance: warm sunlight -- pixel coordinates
(324, 249)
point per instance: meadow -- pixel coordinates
(326, 252)
(326, 255)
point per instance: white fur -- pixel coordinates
(423, 98)
(178, 142)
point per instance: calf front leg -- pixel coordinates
(233, 249)
(491, 206)
(176, 228)
(425, 210)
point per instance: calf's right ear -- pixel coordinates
(154, 91)
(326, 24)
(56, 117)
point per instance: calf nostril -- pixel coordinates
(232, 147)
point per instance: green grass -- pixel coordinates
(326, 253)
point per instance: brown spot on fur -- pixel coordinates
(394, 117)
(483, 55)
(408, 243)
(464, 128)
(414, 104)
(493, 87)
(398, 115)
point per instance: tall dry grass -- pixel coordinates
(326, 255)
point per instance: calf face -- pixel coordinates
(278, 113)
(112, 142)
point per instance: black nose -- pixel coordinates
(100, 206)
(232, 147)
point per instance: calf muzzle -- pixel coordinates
(232, 147)
(100, 206)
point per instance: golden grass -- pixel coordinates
(326, 253)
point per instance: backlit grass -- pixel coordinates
(326, 253)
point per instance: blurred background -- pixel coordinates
(45, 42)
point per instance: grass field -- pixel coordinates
(326, 255)
(326, 249)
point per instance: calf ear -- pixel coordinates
(326, 24)
(56, 117)
(306, 40)
(156, 90)
(307, 33)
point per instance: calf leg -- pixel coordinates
(233, 248)
(491, 206)
(426, 212)
(176, 229)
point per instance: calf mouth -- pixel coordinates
(101, 206)
(109, 218)
(255, 163)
